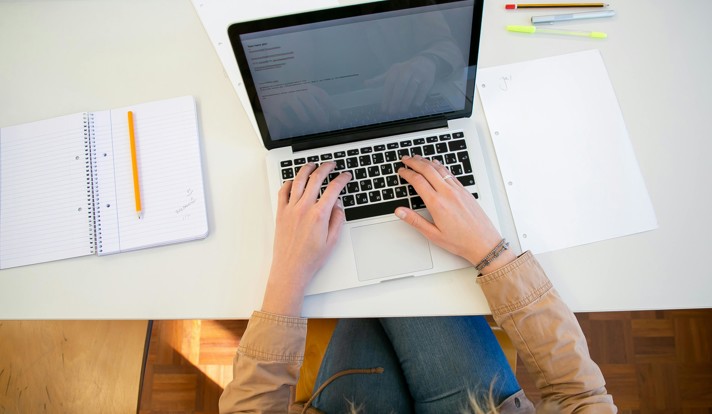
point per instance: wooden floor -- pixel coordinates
(654, 362)
(70, 366)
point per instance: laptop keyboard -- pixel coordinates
(376, 188)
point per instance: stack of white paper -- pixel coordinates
(566, 160)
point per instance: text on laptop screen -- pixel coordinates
(364, 70)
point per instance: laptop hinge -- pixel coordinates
(374, 132)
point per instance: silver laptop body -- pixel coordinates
(362, 86)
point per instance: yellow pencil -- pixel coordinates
(134, 164)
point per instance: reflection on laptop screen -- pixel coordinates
(338, 74)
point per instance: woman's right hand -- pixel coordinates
(459, 225)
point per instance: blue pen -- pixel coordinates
(572, 16)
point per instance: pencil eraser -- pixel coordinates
(510, 6)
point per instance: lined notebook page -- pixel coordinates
(44, 208)
(170, 176)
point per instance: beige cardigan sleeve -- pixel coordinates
(266, 366)
(547, 337)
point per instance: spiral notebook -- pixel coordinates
(67, 190)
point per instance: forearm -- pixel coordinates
(284, 294)
(546, 334)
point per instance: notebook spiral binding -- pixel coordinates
(92, 184)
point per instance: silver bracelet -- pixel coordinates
(493, 254)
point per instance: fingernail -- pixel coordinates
(339, 204)
(400, 213)
(436, 162)
(405, 157)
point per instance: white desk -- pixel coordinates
(60, 57)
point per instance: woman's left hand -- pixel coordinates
(305, 233)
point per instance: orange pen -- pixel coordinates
(134, 164)
(551, 5)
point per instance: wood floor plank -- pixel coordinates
(659, 389)
(622, 382)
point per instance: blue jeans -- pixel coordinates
(431, 365)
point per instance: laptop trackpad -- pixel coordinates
(389, 249)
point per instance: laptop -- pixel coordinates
(362, 86)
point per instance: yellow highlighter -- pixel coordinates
(535, 29)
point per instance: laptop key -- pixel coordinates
(407, 143)
(352, 152)
(360, 174)
(378, 158)
(287, 174)
(366, 185)
(374, 196)
(361, 198)
(401, 192)
(374, 171)
(431, 139)
(465, 160)
(392, 180)
(379, 148)
(373, 210)
(300, 161)
(287, 163)
(339, 154)
(348, 200)
(313, 158)
(352, 162)
(366, 150)
(326, 157)
(392, 145)
(428, 150)
(364, 160)
(419, 141)
(379, 182)
(386, 169)
(388, 194)
(458, 135)
(416, 202)
(445, 137)
(352, 187)
(467, 180)
(457, 145)
(391, 156)
(416, 151)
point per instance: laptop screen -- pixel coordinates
(336, 71)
